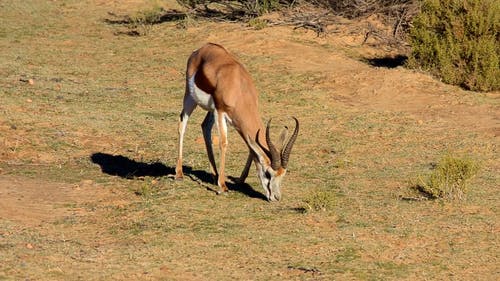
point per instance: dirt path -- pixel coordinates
(34, 202)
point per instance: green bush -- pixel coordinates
(450, 178)
(458, 41)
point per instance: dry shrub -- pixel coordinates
(145, 19)
(397, 13)
(245, 8)
(357, 8)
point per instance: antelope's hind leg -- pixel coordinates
(189, 105)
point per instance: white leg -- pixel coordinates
(188, 107)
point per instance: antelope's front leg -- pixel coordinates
(246, 169)
(222, 128)
(206, 127)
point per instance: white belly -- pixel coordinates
(201, 98)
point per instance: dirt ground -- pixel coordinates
(87, 145)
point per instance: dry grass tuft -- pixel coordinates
(317, 201)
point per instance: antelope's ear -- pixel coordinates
(282, 139)
(256, 150)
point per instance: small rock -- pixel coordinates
(86, 183)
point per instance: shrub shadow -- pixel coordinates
(226, 12)
(388, 61)
(165, 16)
(124, 167)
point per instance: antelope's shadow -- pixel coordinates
(124, 167)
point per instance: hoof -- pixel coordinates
(222, 192)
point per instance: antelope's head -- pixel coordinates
(271, 162)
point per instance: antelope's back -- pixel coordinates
(219, 74)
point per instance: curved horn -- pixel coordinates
(285, 153)
(275, 156)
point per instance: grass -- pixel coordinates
(322, 200)
(257, 23)
(120, 96)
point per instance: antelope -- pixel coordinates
(221, 85)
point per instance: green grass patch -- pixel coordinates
(257, 23)
(319, 201)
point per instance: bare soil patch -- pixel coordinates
(33, 202)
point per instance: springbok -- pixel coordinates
(218, 83)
